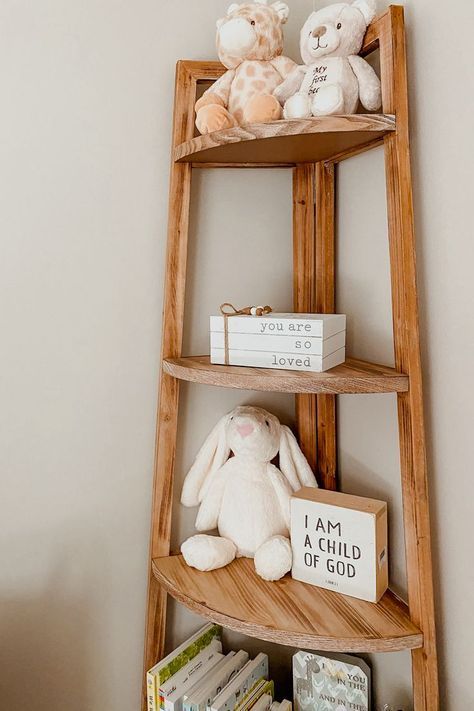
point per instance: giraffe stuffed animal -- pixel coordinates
(250, 46)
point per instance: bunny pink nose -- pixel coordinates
(245, 430)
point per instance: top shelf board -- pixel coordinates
(287, 142)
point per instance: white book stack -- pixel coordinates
(307, 342)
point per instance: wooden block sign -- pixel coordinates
(339, 542)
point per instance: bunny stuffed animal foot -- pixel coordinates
(274, 558)
(245, 497)
(208, 552)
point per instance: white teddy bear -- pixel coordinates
(245, 497)
(334, 77)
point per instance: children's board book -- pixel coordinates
(264, 703)
(205, 691)
(261, 689)
(284, 705)
(176, 660)
(173, 690)
(330, 683)
(241, 684)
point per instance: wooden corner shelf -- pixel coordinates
(287, 142)
(289, 612)
(354, 376)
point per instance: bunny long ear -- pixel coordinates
(210, 458)
(293, 464)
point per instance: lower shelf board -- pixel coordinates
(289, 612)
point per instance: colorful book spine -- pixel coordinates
(175, 661)
(197, 669)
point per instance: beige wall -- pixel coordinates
(85, 125)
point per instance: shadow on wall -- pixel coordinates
(45, 653)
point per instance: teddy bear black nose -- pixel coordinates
(319, 31)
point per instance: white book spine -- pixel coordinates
(321, 326)
(223, 676)
(173, 690)
(280, 361)
(306, 345)
(234, 692)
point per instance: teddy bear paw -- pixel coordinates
(262, 108)
(274, 558)
(328, 101)
(214, 118)
(208, 552)
(298, 107)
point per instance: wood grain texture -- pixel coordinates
(391, 37)
(173, 316)
(304, 292)
(288, 612)
(355, 376)
(325, 247)
(286, 142)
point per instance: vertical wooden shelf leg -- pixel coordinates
(314, 291)
(326, 303)
(173, 316)
(407, 359)
(304, 291)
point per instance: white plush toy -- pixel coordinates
(334, 77)
(245, 497)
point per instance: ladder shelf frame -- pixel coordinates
(314, 247)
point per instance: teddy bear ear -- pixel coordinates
(282, 10)
(367, 8)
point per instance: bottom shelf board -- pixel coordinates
(287, 611)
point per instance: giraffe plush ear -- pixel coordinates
(232, 8)
(282, 10)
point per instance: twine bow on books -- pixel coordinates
(229, 310)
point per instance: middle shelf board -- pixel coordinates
(287, 142)
(287, 611)
(354, 376)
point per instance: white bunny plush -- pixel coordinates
(245, 497)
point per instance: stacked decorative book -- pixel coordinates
(309, 342)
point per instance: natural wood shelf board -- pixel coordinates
(355, 376)
(288, 612)
(287, 142)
